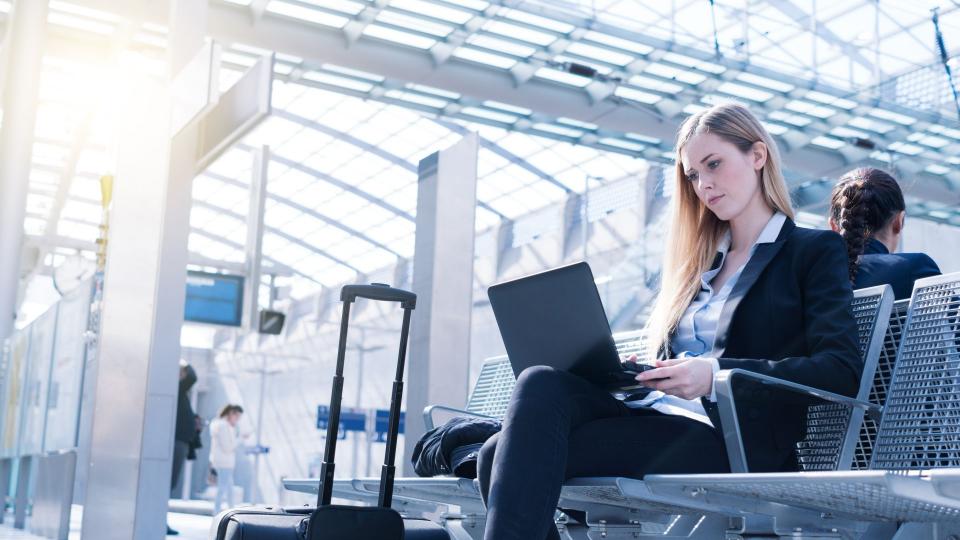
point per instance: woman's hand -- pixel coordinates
(687, 378)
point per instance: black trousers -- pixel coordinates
(180, 451)
(560, 426)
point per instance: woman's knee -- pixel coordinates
(485, 464)
(485, 455)
(540, 379)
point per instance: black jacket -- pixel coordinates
(453, 447)
(186, 427)
(878, 266)
(788, 316)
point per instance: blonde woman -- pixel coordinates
(743, 287)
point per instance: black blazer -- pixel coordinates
(900, 270)
(788, 316)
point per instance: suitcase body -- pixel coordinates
(261, 523)
(335, 522)
(271, 523)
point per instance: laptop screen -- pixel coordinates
(555, 318)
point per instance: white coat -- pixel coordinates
(223, 444)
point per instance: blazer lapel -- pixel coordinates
(755, 266)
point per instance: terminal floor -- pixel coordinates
(191, 526)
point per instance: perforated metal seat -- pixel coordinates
(881, 382)
(832, 433)
(491, 397)
(914, 476)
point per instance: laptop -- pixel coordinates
(556, 318)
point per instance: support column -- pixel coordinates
(254, 245)
(573, 230)
(25, 43)
(134, 412)
(135, 391)
(439, 364)
(254, 256)
(504, 248)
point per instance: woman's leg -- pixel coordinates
(646, 442)
(521, 478)
(228, 486)
(224, 489)
(218, 498)
(484, 466)
(641, 442)
(180, 450)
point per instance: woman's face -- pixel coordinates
(725, 179)
(233, 418)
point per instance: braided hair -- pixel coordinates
(862, 203)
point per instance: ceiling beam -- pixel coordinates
(296, 165)
(306, 210)
(286, 236)
(195, 259)
(343, 136)
(802, 18)
(505, 154)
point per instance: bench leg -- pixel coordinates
(915, 531)
(946, 531)
(692, 527)
(927, 531)
(466, 527)
(709, 527)
(573, 531)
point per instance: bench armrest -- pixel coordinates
(727, 407)
(430, 422)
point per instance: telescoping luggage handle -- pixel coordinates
(348, 295)
(379, 291)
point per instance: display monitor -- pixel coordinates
(214, 298)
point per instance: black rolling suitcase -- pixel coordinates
(336, 522)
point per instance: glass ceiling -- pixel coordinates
(345, 142)
(847, 43)
(342, 182)
(667, 70)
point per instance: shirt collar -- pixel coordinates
(768, 235)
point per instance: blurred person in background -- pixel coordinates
(186, 435)
(223, 449)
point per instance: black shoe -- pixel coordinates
(171, 532)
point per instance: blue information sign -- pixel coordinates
(382, 423)
(214, 298)
(350, 420)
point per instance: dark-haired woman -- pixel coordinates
(868, 210)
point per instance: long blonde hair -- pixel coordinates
(695, 231)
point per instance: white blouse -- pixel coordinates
(696, 331)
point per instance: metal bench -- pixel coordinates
(626, 505)
(833, 434)
(912, 489)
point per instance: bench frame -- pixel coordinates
(629, 508)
